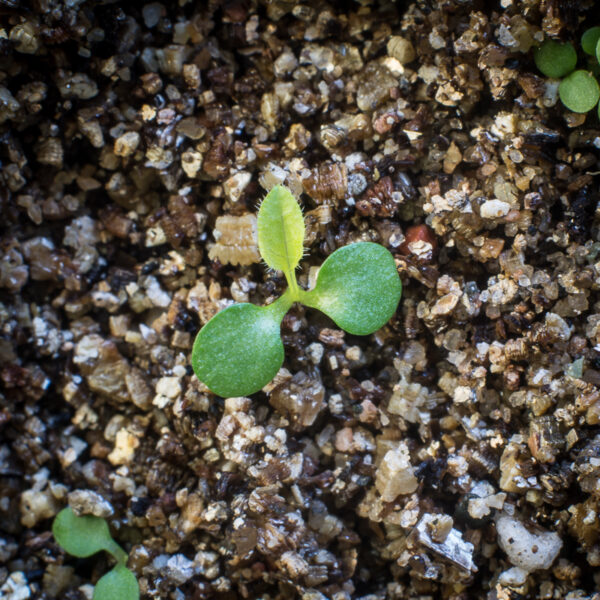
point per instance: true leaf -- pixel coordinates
(589, 40)
(555, 59)
(579, 92)
(281, 231)
(118, 584)
(240, 350)
(358, 287)
(85, 535)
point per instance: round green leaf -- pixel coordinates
(598, 50)
(118, 584)
(281, 230)
(579, 92)
(358, 287)
(81, 536)
(555, 59)
(589, 40)
(240, 350)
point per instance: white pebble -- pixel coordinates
(525, 549)
(492, 209)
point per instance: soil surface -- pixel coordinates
(453, 454)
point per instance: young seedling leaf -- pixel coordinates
(555, 59)
(579, 92)
(281, 231)
(118, 584)
(240, 350)
(589, 40)
(598, 50)
(84, 536)
(358, 287)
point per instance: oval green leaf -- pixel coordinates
(82, 536)
(240, 350)
(579, 92)
(589, 40)
(555, 59)
(358, 287)
(281, 230)
(118, 584)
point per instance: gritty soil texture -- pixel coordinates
(455, 453)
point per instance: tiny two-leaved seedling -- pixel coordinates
(578, 90)
(240, 349)
(86, 535)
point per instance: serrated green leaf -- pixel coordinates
(358, 287)
(240, 350)
(579, 92)
(555, 59)
(281, 231)
(589, 40)
(84, 536)
(118, 584)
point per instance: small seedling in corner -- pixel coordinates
(86, 535)
(579, 90)
(240, 349)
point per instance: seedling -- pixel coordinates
(579, 90)
(240, 349)
(86, 535)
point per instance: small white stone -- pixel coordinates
(191, 161)
(179, 569)
(156, 294)
(395, 474)
(463, 394)
(527, 550)
(125, 445)
(88, 502)
(514, 577)
(285, 63)
(315, 352)
(272, 175)
(15, 587)
(169, 386)
(558, 326)
(236, 184)
(493, 209)
(155, 236)
(37, 506)
(127, 144)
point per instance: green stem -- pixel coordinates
(117, 552)
(305, 296)
(281, 305)
(293, 286)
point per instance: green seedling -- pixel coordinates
(579, 90)
(240, 349)
(86, 535)
(554, 59)
(589, 40)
